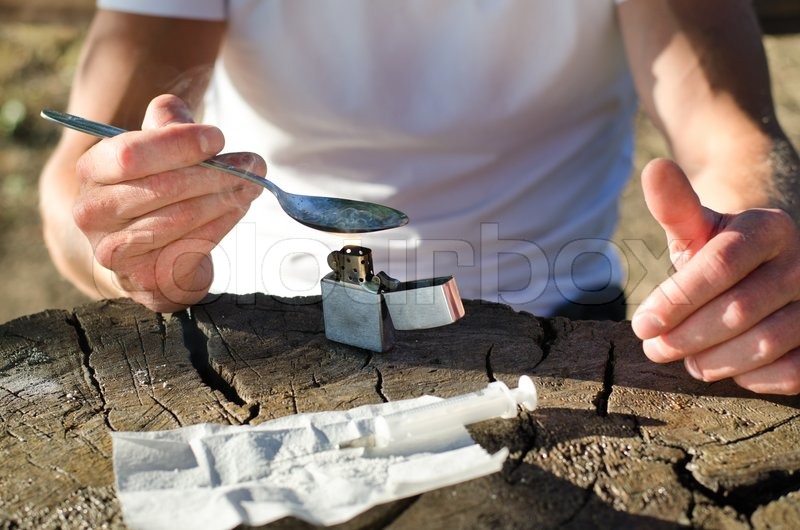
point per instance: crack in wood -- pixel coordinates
(139, 336)
(748, 498)
(252, 413)
(601, 400)
(134, 382)
(197, 343)
(221, 335)
(688, 481)
(52, 467)
(379, 386)
(88, 370)
(524, 418)
(166, 409)
(162, 330)
(149, 377)
(15, 394)
(489, 369)
(90, 443)
(367, 361)
(761, 432)
(15, 435)
(293, 395)
(549, 336)
(743, 499)
(588, 493)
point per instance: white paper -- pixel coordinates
(219, 476)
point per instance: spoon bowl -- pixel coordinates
(328, 214)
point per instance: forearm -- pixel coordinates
(784, 192)
(127, 60)
(69, 248)
(701, 73)
(757, 171)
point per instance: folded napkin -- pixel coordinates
(305, 465)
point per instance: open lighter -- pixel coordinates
(364, 309)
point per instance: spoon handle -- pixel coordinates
(103, 130)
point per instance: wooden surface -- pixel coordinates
(616, 441)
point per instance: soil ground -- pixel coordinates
(39, 46)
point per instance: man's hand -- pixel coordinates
(151, 214)
(733, 305)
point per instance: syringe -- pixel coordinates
(496, 400)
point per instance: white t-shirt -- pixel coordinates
(503, 128)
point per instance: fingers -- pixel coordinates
(152, 214)
(688, 227)
(674, 204)
(175, 221)
(137, 154)
(166, 110)
(759, 346)
(115, 206)
(174, 276)
(731, 307)
(169, 140)
(770, 287)
(780, 377)
(748, 241)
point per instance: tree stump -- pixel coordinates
(616, 441)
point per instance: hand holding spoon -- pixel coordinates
(322, 213)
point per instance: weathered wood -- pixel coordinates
(55, 450)
(616, 441)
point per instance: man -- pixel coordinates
(502, 128)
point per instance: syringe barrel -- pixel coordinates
(494, 401)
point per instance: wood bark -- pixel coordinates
(616, 441)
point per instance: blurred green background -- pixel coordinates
(39, 46)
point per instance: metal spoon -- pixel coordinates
(323, 213)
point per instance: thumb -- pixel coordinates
(166, 109)
(675, 205)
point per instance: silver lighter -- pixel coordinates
(364, 309)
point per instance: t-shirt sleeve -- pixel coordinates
(194, 9)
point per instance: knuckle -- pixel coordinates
(770, 229)
(160, 187)
(83, 213)
(179, 214)
(126, 155)
(767, 347)
(183, 147)
(782, 222)
(717, 266)
(85, 169)
(119, 250)
(98, 209)
(105, 252)
(191, 144)
(736, 313)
